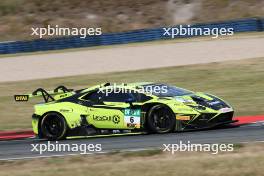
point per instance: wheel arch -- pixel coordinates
(146, 107)
(41, 118)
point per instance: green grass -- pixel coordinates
(239, 82)
(9, 6)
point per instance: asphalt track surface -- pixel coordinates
(21, 149)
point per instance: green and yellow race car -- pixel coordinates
(112, 108)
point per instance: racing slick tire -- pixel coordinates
(53, 126)
(160, 119)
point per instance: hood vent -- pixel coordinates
(215, 104)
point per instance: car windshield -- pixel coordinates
(163, 90)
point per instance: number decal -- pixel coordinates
(132, 118)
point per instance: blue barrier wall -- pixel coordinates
(243, 25)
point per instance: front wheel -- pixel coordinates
(53, 126)
(160, 119)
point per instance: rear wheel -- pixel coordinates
(53, 126)
(160, 119)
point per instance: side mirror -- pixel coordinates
(130, 100)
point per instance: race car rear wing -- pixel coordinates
(47, 95)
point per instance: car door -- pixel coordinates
(110, 111)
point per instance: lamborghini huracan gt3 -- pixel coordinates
(144, 107)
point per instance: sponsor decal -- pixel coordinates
(132, 112)
(214, 103)
(130, 125)
(224, 110)
(63, 95)
(184, 100)
(115, 119)
(183, 117)
(21, 97)
(66, 110)
(203, 117)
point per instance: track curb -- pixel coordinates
(249, 119)
(12, 135)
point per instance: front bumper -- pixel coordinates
(204, 121)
